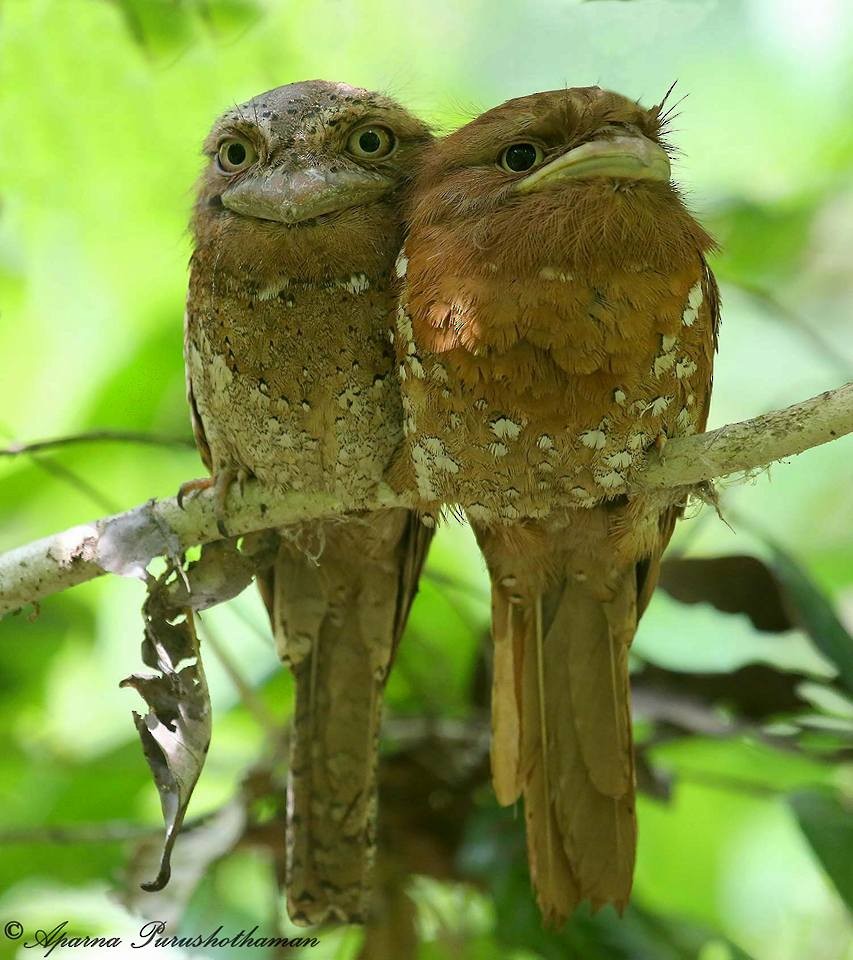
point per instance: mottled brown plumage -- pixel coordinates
(290, 378)
(557, 320)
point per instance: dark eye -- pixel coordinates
(520, 157)
(371, 142)
(236, 153)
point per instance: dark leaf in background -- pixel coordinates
(675, 710)
(175, 733)
(828, 826)
(651, 780)
(775, 597)
(755, 692)
(732, 584)
(667, 936)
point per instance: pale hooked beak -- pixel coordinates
(295, 196)
(623, 158)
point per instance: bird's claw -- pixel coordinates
(225, 480)
(221, 484)
(192, 486)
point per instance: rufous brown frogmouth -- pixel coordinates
(557, 320)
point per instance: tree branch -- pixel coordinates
(126, 543)
(751, 444)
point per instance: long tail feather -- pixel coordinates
(506, 731)
(568, 745)
(337, 622)
(584, 747)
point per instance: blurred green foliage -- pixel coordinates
(104, 104)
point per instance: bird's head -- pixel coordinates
(302, 181)
(572, 179)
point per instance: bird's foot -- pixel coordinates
(193, 486)
(221, 484)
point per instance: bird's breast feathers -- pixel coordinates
(514, 389)
(298, 386)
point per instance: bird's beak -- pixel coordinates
(293, 196)
(623, 158)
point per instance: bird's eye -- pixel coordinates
(371, 143)
(520, 157)
(236, 153)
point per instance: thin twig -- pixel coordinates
(97, 436)
(110, 831)
(263, 633)
(829, 351)
(66, 475)
(248, 695)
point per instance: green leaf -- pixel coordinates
(761, 243)
(167, 26)
(160, 26)
(815, 614)
(495, 852)
(229, 16)
(740, 761)
(828, 827)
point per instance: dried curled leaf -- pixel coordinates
(198, 848)
(175, 733)
(130, 542)
(221, 573)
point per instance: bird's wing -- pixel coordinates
(648, 570)
(195, 416)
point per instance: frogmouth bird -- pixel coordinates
(557, 320)
(291, 380)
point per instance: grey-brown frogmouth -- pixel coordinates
(290, 379)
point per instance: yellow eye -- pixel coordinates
(520, 157)
(236, 153)
(371, 142)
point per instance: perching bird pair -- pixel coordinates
(551, 318)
